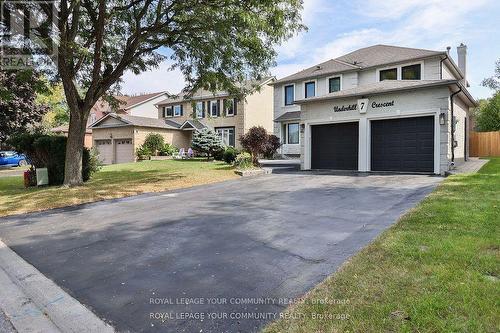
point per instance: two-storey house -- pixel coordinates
(380, 108)
(117, 135)
(227, 116)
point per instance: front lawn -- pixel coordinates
(436, 270)
(113, 181)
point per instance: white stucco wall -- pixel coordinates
(408, 104)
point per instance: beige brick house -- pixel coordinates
(228, 116)
(117, 136)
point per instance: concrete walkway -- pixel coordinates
(472, 165)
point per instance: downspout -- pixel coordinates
(452, 125)
(441, 66)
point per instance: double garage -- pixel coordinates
(398, 144)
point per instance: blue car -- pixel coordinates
(11, 158)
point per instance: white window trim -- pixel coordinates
(213, 102)
(328, 82)
(315, 88)
(174, 114)
(399, 70)
(286, 134)
(225, 111)
(284, 95)
(222, 130)
(201, 110)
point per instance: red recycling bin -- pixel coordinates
(27, 182)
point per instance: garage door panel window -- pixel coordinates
(293, 133)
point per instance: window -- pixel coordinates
(226, 135)
(310, 89)
(411, 72)
(199, 109)
(389, 74)
(169, 111)
(214, 109)
(293, 133)
(334, 84)
(177, 110)
(229, 107)
(289, 94)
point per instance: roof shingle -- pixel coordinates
(367, 57)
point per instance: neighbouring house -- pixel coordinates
(229, 117)
(63, 130)
(142, 105)
(117, 136)
(380, 108)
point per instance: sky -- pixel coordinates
(339, 27)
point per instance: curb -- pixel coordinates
(33, 303)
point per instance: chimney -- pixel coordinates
(462, 59)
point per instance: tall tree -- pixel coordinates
(215, 43)
(493, 82)
(18, 107)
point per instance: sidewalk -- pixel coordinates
(30, 302)
(472, 165)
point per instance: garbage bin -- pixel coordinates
(27, 178)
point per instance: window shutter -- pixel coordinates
(163, 111)
(203, 109)
(182, 112)
(224, 107)
(194, 115)
(235, 106)
(218, 108)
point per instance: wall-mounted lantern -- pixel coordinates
(442, 118)
(302, 128)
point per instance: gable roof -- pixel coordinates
(193, 124)
(206, 94)
(367, 57)
(131, 101)
(135, 121)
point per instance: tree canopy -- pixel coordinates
(488, 114)
(493, 82)
(19, 110)
(216, 44)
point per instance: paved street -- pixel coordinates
(273, 237)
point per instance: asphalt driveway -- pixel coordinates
(238, 250)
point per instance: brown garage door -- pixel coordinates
(124, 151)
(105, 150)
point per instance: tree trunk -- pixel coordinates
(74, 146)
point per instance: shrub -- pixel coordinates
(91, 163)
(143, 153)
(243, 160)
(258, 143)
(49, 151)
(167, 150)
(229, 155)
(219, 154)
(272, 146)
(154, 143)
(207, 142)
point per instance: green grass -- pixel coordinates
(112, 181)
(436, 270)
